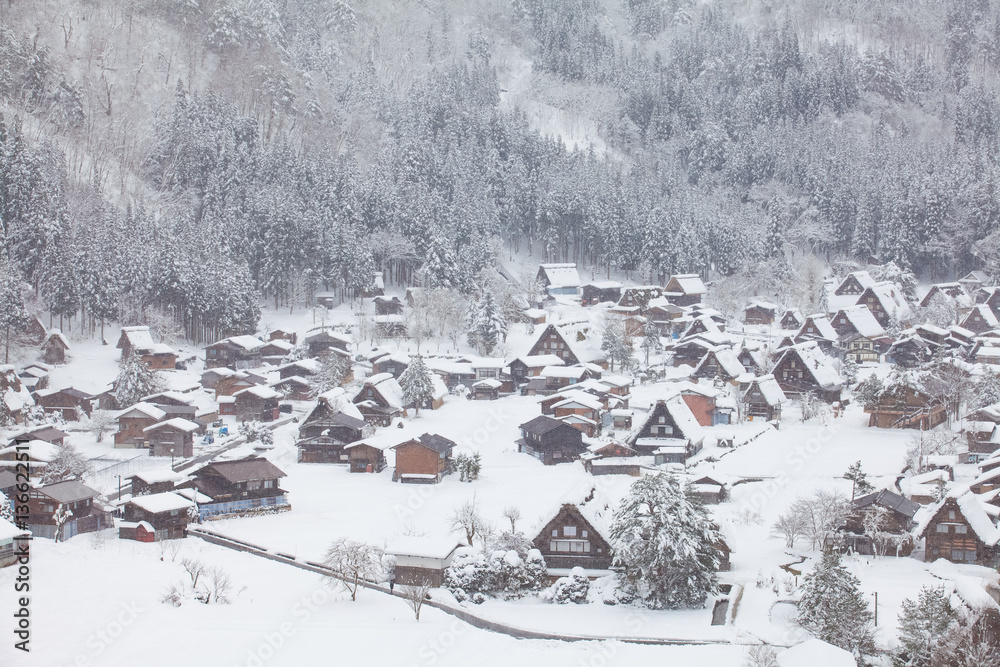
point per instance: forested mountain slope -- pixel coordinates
(190, 154)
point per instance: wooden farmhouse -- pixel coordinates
(960, 530)
(155, 517)
(257, 403)
(147, 482)
(364, 457)
(422, 559)
(606, 291)
(329, 427)
(552, 342)
(173, 437)
(974, 281)
(760, 313)
(423, 460)
(685, 289)
(817, 328)
(326, 340)
(803, 368)
(895, 526)
(791, 320)
(273, 351)
(380, 400)
(132, 423)
(293, 388)
(210, 379)
(904, 406)
(235, 352)
(385, 305)
(54, 348)
(669, 432)
(581, 411)
(763, 399)
(856, 321)
(69, 402)
(486, 390)
(886, 303)
(855, 284)
(230, 385)
(720, 362)
(559, 278)
(636, 300)
(392, 364)
(550, 440)
(39, 453)
(281, 334)
(574, 537)
(244, 486)
(86, 513)
(980, 319)
(138, 341)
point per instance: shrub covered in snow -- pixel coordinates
(573, 588)
(500, 574)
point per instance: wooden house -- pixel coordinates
(486, 390)
(273, 351)
(896, 524)
(571, 539)
(702, 399)
(550, 440)
(133, 422)
(580, 411)
(959, 530)
(690, 352)
(380, 400)
(324, 340)
(86, 513)
(244, 486)
(293, 388)
(10, 535)
(859, 349)
(763, 399)
(35, 376)
(329, 427)
(552, 342)
(886, 303)
(365, 458)
(709, 490)
(32, 332)
(980, 319)
(47, 433)
(69, 402)
(559, 278)
(167, 514)
(421, 560)
(393, 364)
(139, 341)
(385, 305)
(856, 321)
(791, 320)
(803, 369)
(760, 313)
(54, 348)
(281, 334)
(8, 483)
(974, 281)
(211, 378)
(173, 437)
(523, 368)
(257, 403)
(754, 360)
(231, 384)
(951, 293)
(911, 351)
(720, 362)
(235, 352)
(855, 284)
(636, 300)
(685, 289)
(605, 291)
(817, 328)
(154, 480)
(423, 460)
(905, 406)
(669, 432)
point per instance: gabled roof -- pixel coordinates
(56, 335)
(726, 358)
(541, 360)
(247, 343)
(862, 320)
(819, 365)
(157, 475)
(686, 283)
(176, 423)
(142, 409)
(769, 389)
(985, 313)
(438, 548)
(973, 511)
(822, 328)
(161, 502)
(432, 441)
(387, 387)
(890, 500)
(260, 391)
(891, 299)
(138, 338)
(541, 425)
(862, 277)
(69, 491)
(561, 275)
(244, 470)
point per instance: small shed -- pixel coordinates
(486, 390)
(422, 558)
(55, 347)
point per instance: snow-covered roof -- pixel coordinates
(580, 398)
(816, 653)
(178, 423)
(162, 502)
(170, 395)
(161, 348)
(604, 284)
(863, 277)
(423, 547)
(248, 343)
(157, 475)
(562, 372)
(194, 494)
(769, 389)
(892, 299)
(38, 450)
(260, 391)
(863, 320)
(689, 283)
(541, 360)
(489, 382)
(58, 335)
(142, 409)
(388, 387)
(985, 313)
(728, 361)
(973, 511)
(138, 337)
(819, 365)
(821, 327)
(561, 275)
(9, 531)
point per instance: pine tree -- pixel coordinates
(333, 370)
(859, 480)
(12, 309)
(987, 390)
(418, 388)
(834, 609)
(487, 325)
(135, 380)
(869, 391)
(666, 544)
(924, 627)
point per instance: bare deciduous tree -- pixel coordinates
(353, 562)
(101, 421)
(822, 513)
(195, 568)
(513, 514)
(468, 519)
(416, 593)
(791, 525)
(219, 585)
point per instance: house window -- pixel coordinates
(942, 528)
(961, 530)
(555, 532)
(557, 454)
(253, 485)
(569, 531)
(570, 546)
(951, 514)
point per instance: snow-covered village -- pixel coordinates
(541, 332)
